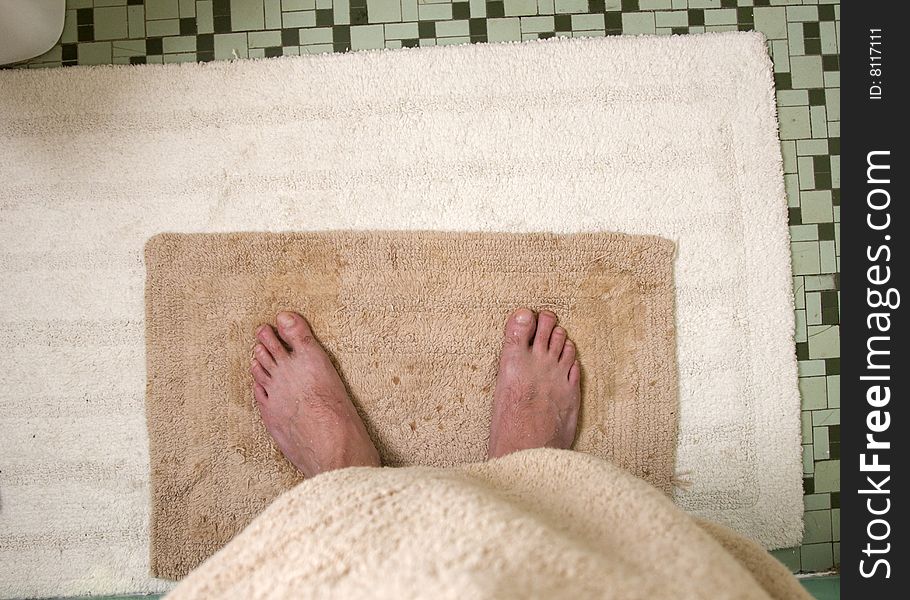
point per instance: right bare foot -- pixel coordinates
(303, 402)
(537, 395)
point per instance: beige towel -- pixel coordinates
(535, 524)
(414, 321)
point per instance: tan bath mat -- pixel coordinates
(414, 321)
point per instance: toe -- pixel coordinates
(568, 354)
(575, 373)
(264, 357)
(294, 330)
(259, 393)
(520, 327)
(266, 335)
(557, 341)
(260, 375)
(546, 320)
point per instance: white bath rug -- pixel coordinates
(673, 136)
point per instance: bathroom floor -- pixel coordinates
(804, 41)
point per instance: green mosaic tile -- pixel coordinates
(818, 526)
(805, 258)
(502, 30)
(384, 11)
(820, 443)
(184, 57)
(815, 283)
(788, 150)
(587, 22)
(801, 333)
(808, 458)
(817, 502)
(95, 53)
(408, 10)
(792, 98)
(814, 393)
(811, 368)
(794, 122)
(519, 8)
(111, 23)
(272, 10)
(570, 6)
(801, 13)
(366, 37)
(720, 17)
(834, 391)
(827, 476)
(294, 5)
(176, 45)
(537, 24)
(789, 557)
(638, 23)
(816, 557)
(806, 173)
(340, 15)
(247, 15)
(187, 8)
(162, 9)
(303, 18)
(135, 21)
(812, 147)
(825, 417)
(402, 31)
(264, 39)
(805, 421)
(803, 41)
(817, 207)
(824, 341)
(771, 21)
(316, 36)
(231, 45)
(673, 18)
(819, 121)
(828, 257)
(162, 28)
(655, 4)
(128, 48)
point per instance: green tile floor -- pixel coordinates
(803, 38)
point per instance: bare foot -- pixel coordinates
(537, 390)
(304, 403)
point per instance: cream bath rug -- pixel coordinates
(669, 136)
(414, 321)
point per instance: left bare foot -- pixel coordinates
(303, 402)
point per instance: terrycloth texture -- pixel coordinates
(414, 321)
(670, 136)
(536, 524)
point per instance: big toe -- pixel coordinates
(294, 330)
(520, 327)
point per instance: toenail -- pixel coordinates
(523, 316)
(285, 319)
